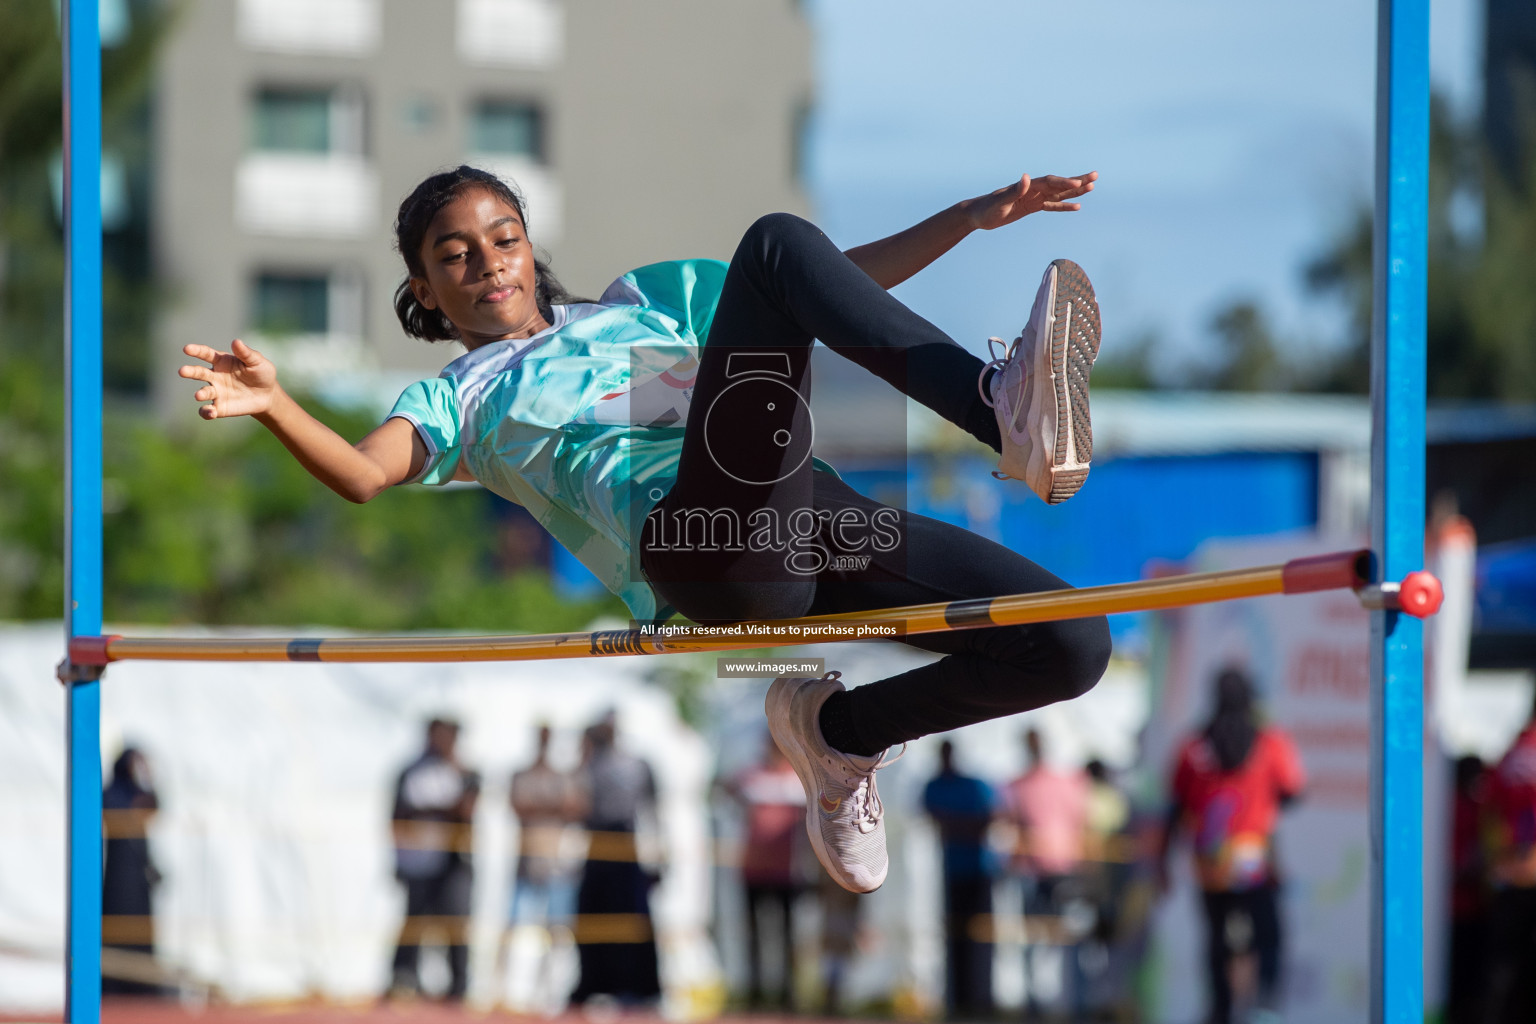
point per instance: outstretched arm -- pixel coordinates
(892, 260)
(242, 382)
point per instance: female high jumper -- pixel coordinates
(663, 435)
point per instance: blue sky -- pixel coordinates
(1233, 138)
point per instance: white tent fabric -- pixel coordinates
(276, 784)
(276, 781)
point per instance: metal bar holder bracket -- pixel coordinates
(71, 672)
(86, 660)
(1419, 594)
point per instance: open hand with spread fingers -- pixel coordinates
(1051, 193)
(241, 382)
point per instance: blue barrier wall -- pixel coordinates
(1132, 510)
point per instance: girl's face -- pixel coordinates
(479, 266)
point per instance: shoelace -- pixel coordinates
(997, 362)
(867, 811)
(868, 808)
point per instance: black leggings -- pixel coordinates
(751, 530)
(782, 897)
(1262, 908)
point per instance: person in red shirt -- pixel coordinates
(1230, 782)
(1511, 809)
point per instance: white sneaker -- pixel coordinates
(1040, 390)
(843, 813)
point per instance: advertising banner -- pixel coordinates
(1309, 659)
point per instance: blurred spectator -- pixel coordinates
(1108, 809)
(772, 863)
(1050, 808)
(1229, 783)
(614, 934)
(129, 875)
(839, 939)
(1106, 876)
(434, 807)
(1511, 807)
(1469, 896)
(963, 808)
(547, 803)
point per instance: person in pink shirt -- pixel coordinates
(1049, 806)
(773, 860)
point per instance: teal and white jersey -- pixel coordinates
(581, 424)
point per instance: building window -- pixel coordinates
(286, 303)
(289, 304)
(508, 139)
(310, 322)
(292, 121)
(507, 128)
(306, 120)
(306, 173)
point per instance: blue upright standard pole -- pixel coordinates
(82, 497)
(1397, 505)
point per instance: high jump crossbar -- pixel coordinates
(1418, 594)
(1399, 257)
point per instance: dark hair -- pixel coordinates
(416, 213)
(1234, 725)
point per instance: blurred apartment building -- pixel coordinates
(288, 131)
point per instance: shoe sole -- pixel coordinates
(1061, 387)
(779, 707)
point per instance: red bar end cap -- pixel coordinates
(90, 650)
(1420, 594)
(1337, 571)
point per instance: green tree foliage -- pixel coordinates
(32, 259)
(222, 526)
(31, 494)
(219, 525)
(31, 287)
(1481, 329)
(1248, 358)
(1128, 365)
